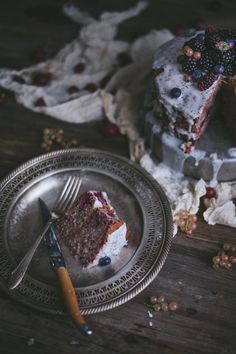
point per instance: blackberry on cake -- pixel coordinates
(92, 230)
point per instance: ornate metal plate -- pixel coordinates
(138, 199)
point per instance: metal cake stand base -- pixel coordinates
(214, 158)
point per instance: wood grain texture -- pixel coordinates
(205, 320)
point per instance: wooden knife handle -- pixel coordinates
(70, 298)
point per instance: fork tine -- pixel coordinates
(67, 192)
(75, 194)
(68, 197)
(64, 190)
(72, 196)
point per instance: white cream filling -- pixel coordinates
(115, 242)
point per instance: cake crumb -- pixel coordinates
(30, 342)
(150, 315)
(150, 323)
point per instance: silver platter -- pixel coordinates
(138, 199)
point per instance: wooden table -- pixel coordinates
(205, 320)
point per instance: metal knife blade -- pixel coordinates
(50, 239)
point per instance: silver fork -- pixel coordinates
(65, 200)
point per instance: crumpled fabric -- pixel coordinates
(120, 100)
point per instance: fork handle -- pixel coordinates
(18, 273)
(71, 301)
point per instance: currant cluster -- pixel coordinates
(53, 138)
(158, 303)
(186, 221)
(206, 56)
(226, 257)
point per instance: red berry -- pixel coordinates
(40, 102)
(41, 79)
(109, 130)
(79, 68)
(177, 30)
(210, 192)
(38, 55)
(72, 89)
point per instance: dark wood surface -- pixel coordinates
(205, 320)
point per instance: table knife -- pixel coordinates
(57, 263)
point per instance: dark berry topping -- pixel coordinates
(208, 55)
(175, 92)
(206, 62)
(189, 65)
(197, 74)
(41, 79)
(189, 32)
(72, 89)
(197, 44)
(104, 261)
(40, 102)
(79, 68)
(19, 79)
(206, 81)
(91, 87)
(229, 69)
(218, 69)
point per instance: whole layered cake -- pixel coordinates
(194, 75)
(92, 230)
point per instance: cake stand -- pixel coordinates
(213, 160)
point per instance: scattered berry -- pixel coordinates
(161, 299)
(79, 68)
(40, 102)
(104, 261)
(41, 79)
(210, 192)
(173, 306)
(165, 306)
(109, 130)
(153, 300)
(175, 92)
(72, 89)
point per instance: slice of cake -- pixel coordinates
(92, 230)
(188, 74)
